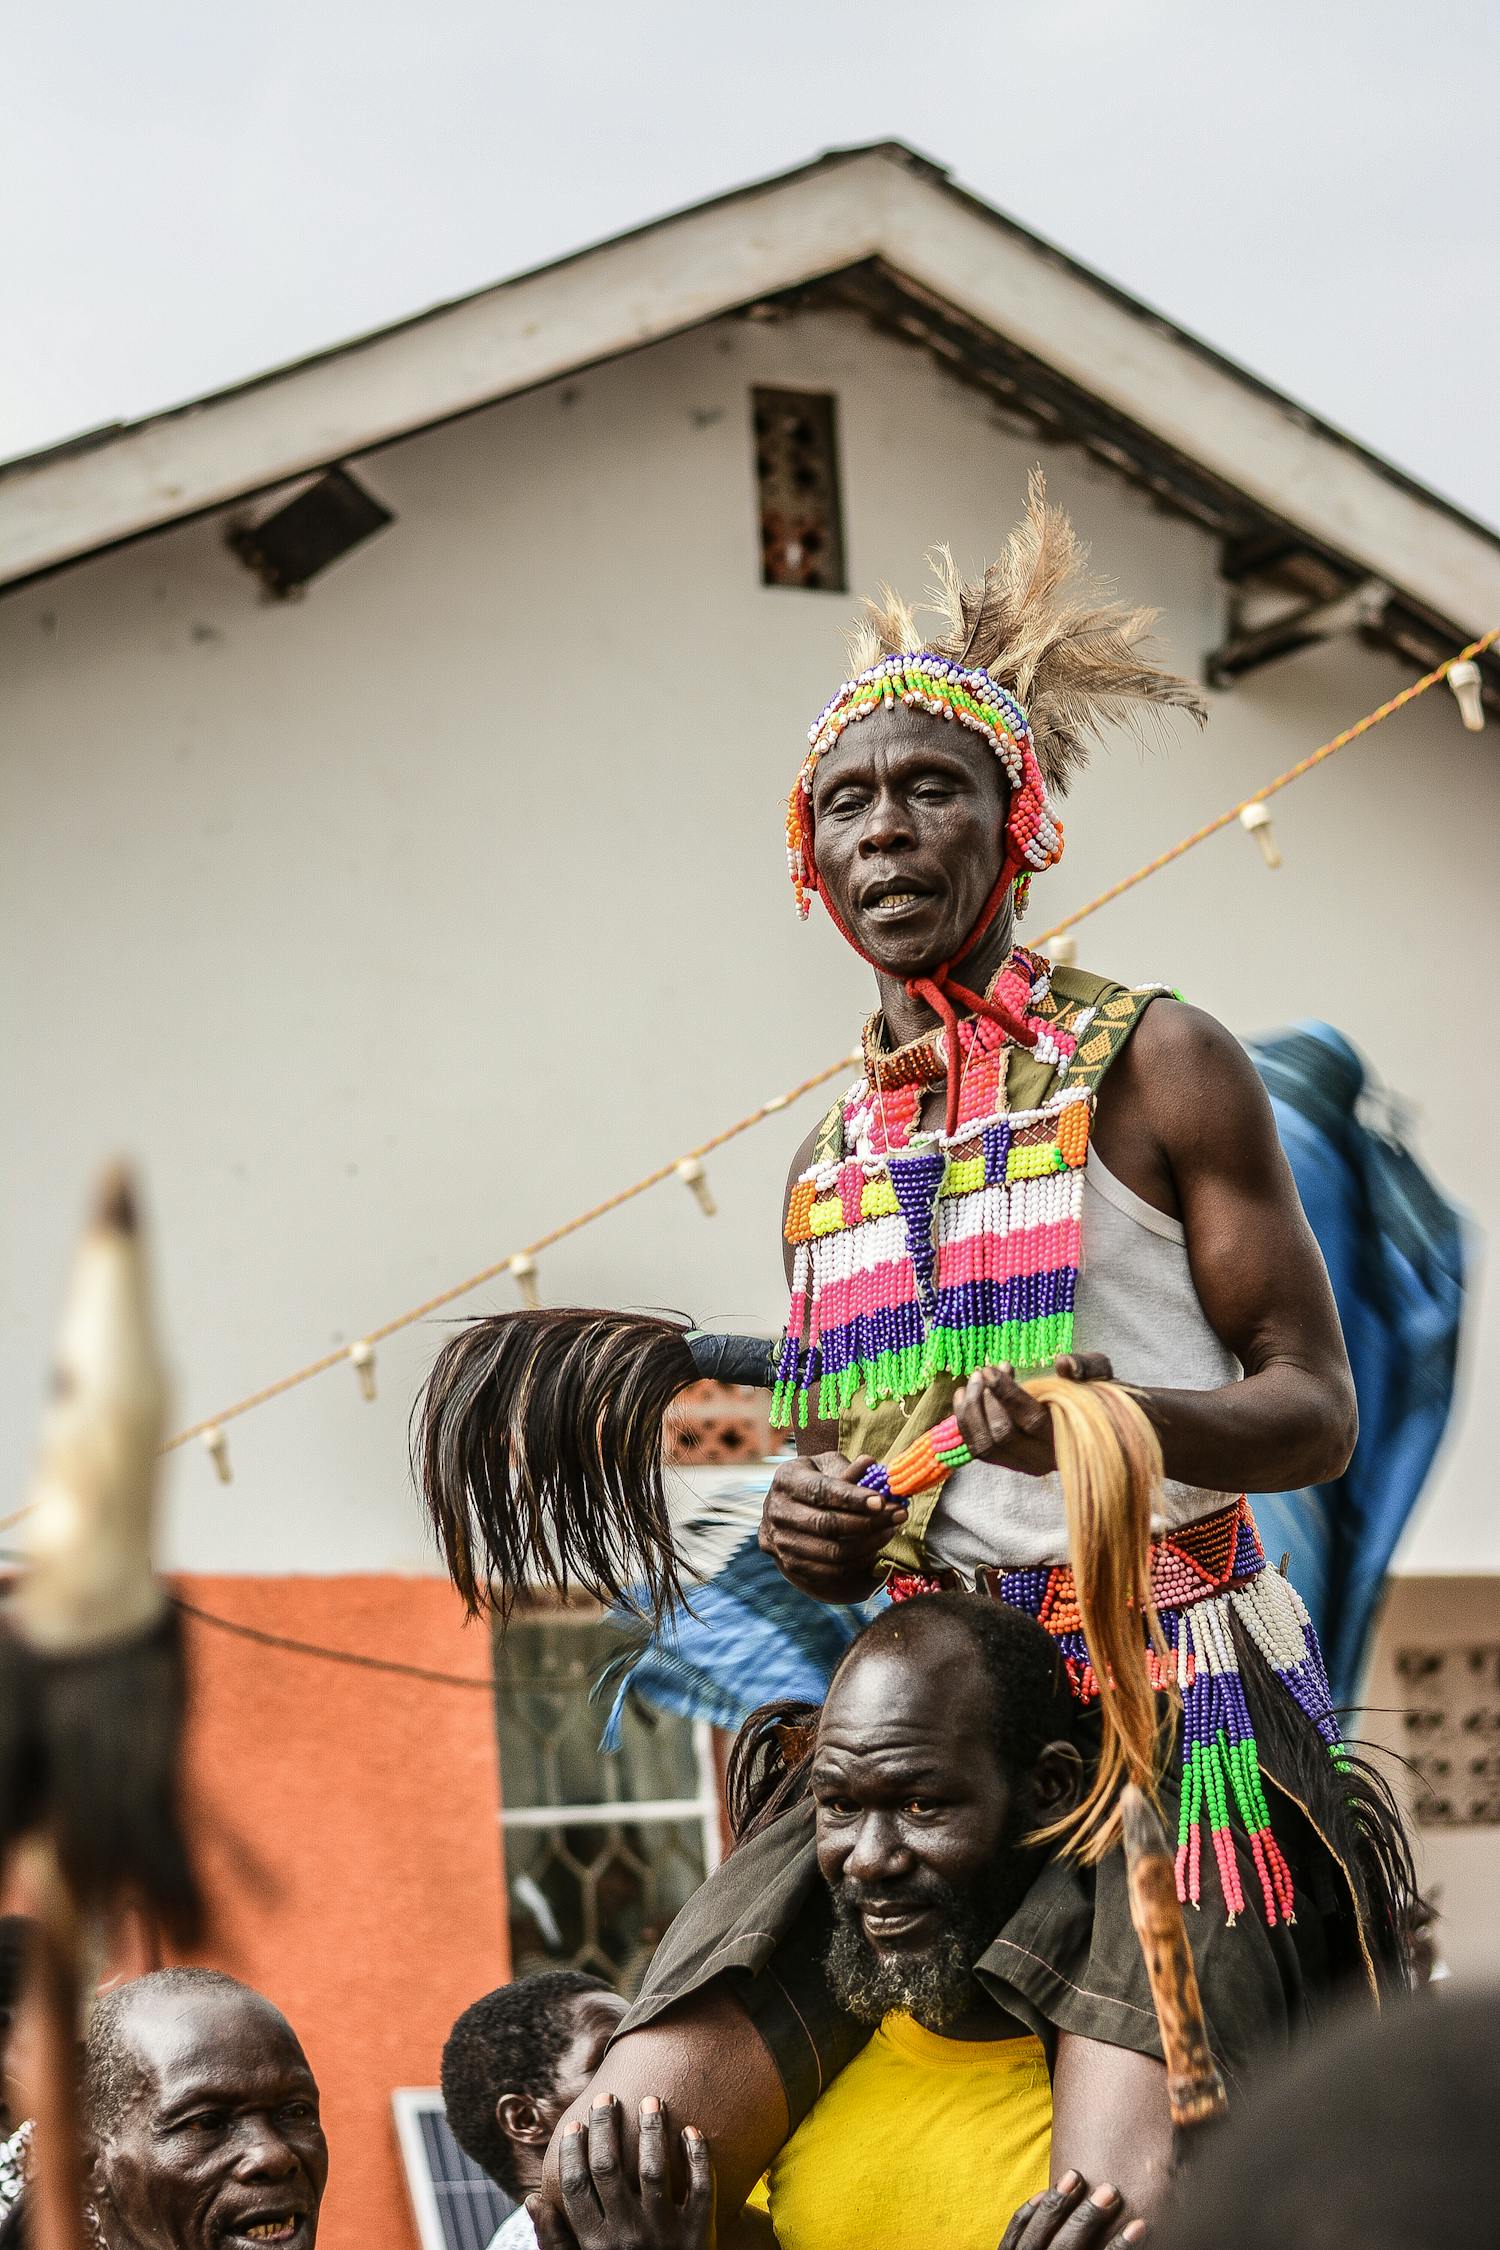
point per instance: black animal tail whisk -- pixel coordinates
(538, 1447)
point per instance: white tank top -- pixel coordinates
(1136, 1301)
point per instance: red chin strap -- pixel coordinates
(941, 991)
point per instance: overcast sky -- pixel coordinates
(195, 190)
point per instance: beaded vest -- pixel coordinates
(921, 1257)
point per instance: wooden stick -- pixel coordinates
(54, 1982)
(1195, 2091)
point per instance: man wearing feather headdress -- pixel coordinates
(1179, 1254)
(1039, 1173)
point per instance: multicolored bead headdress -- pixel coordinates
(1034, 656)
(921, 679)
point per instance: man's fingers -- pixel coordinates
(575, 2177)
(834, 1496)
(818, 1542)
(847, 1511)
(1027, 1413)
(1035, 2225)
(1015, 2234)
(656, 2182)
(1086, 1367)
(698, 2207)
(606, 2165)
(844, 1526)
(551, 2232)
(1087, 2226)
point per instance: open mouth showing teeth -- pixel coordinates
(894, 901)
(279, 2227)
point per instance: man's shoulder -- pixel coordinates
(1181, 1045)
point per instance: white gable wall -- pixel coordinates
(388, 928)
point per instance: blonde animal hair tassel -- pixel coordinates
(1109, 1463)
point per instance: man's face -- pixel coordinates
(909, 835)
(219, 2145)
(915, 1831)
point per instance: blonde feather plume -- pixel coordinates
(1041, 626)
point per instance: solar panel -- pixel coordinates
(455, 2204)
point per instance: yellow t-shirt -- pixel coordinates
(919, 2141)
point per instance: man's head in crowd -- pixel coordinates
(516, 2060)
(200, 2118)
(1371, 2136)
(943, 1742)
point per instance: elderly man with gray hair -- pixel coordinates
(200, 2118)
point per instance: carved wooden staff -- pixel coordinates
(1195, 2091)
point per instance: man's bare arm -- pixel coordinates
(1186, 1122)
(1110, 2120)
(707, 2062)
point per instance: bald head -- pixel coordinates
(961, 1662)
(201, 2117)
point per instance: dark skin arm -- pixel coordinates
(1110, 2120)
(1184, 1121)
(704, 2060)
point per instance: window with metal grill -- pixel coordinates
(797, 474)
(600, 1849)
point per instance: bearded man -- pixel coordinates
(892, 1926)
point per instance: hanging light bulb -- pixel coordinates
(524, 1270)
(1255, 819)
(1467, 683)
(216, 1446)
(692, 1175)
(362, 1360)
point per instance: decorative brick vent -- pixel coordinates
(713, 1423)
(797, 473)
(1450, 1728)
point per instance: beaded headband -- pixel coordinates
(923, 681)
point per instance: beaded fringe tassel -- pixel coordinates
(935, 1260)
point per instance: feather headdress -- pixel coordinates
(1040, 625)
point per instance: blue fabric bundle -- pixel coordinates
(1394, 1248)
(747, 1637)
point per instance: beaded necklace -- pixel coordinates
(924, 1253)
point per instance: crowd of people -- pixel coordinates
(942, 1742)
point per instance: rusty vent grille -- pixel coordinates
(710, 1424)
(1450, 1726)
(797, 473)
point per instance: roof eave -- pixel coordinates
(881, 202)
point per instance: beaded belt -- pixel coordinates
(1188, 1565)
(1203, 1576)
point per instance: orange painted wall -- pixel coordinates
(369, 1901)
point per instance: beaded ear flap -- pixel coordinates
(923, 681)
